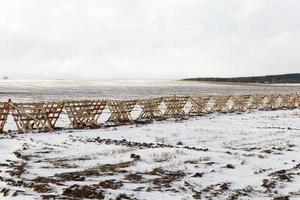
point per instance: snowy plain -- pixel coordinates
(28, 90)
(252, 155)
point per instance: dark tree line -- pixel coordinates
(283, 78)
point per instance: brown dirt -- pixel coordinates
(110, 184)
(211, 191)
(135, 178)
(84, 191)
(235, 194)
(17, 169)
(269, 185)
(282, 198)
(167, 177)
(282, 175)
(136, 144)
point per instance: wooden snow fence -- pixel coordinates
(240, 103)
(272, 102)
(150, 109)
(257, 101)
(297, 100)
(84, 113)
(41, 116)
(199, 105)
(220, 104)
(175, 106)
(121, 111)
(288, 101)
(4, 111)
(293, 101)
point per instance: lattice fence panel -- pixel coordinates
(84, 114)
(4, 111)
(272, 101)
(293, 102)
(257, 101)
(30, 116)
(175, 106)
(289, 101)
(220, 104)
(240, 103)
(53, 110)
(121, 111)
(150, 109)
(199, 105)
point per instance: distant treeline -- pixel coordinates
(283, 78)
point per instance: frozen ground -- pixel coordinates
(254, 155)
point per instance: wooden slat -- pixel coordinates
(288, 101)
(257, 101)
(4, 111)
(30, 116)
(175, 106)
(121, 111)
(240, 103)
(150, 109)
(272, 102)
(220, 104)
(53, 111)
(84, 114)
(199, 105)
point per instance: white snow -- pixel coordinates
(255, 143)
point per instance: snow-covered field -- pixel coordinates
(29, 90)
(254, 155)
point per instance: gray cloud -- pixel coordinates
(120, 39)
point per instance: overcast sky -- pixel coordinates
(148, 39)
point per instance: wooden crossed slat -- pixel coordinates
(150, 109)
(297, 96)
(289, 101)
(220, 104)
(285, 100)
(40, 116)
(175, 106)
(121, 111)
(240, 103)
(272, 101)
(257, 101)
(292, 104)
(4, 111)
(199, 105)
(53, 111)
(84, 114)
